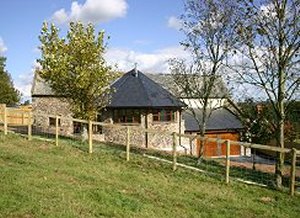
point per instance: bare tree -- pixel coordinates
(210, 37)
(269, 60)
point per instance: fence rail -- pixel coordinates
(228, 166)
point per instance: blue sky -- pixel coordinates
(141, 31)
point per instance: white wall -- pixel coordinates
(197, 103)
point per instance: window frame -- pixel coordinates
(164, 115)
(126, 115)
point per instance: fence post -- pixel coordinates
(29, 126)
(227, 160)
(174, 151)
(127, 143)
(191, 146)
(5, 119)
(293, 171)
(90, 136)
(23, 117)
(56, 130)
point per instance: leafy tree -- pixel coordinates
(210, 37)
(293, 117)
(257, 120)
(75, 67)
(270, 45)
(8, 94)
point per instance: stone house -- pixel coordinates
(139, 101)
(45, 103)
(148, 101)
(136, 101)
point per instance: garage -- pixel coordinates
(221, 124)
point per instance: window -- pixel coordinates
(163, 115)
(52, 121)
(127, 116)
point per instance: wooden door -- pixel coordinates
(212, 149)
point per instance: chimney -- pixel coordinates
(136, 72)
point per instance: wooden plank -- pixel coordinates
(23, 118)
(80, 121)
(5, 120)
(56, 130)
(293, 171)
(245, 144)
(29, 127)
(90, 136)
(227, 161)
(127, 143)
(174, 151)
(191, 146)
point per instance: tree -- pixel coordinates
(269, 50)
(8, 94)
(75, 67)
(257, 120)
(210, 37)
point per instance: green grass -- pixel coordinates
(38, 179)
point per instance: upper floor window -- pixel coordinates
(127, 116)
(163, 115)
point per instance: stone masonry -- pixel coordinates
(42, 107)
(45, 106)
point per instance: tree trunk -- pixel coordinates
(202, 143)
(281, 96)
(280, 156)
(202, 129)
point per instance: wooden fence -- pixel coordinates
(28, 122)
(16, 116)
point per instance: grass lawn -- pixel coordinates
(38, 179)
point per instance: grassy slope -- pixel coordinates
(38, 179)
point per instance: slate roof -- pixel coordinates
(166, 80)
(40, 87)
(220, 119)
(135, 90)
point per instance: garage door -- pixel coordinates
(219, 149)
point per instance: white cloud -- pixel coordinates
(24, 84)
(175, 23)
(154, 62)
(95, 11)
(60, 16)
(24, 81)
(3, 48)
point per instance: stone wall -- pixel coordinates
(138, 137)
(45, 106)
(119, 136)
(42, 107)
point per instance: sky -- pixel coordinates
(141, 31)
